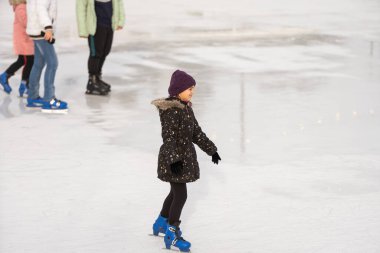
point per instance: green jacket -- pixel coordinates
(86, 16)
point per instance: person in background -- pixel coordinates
(42, 16)
(97, 20)
(23, 47)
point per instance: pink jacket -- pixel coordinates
(22, 44)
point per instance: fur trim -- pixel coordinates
(164, 104)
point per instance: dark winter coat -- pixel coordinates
(180, 130)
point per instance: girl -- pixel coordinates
(97, 21)
(41, 16)
(177, 159)
(23, 47)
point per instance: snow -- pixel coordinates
(289, 91)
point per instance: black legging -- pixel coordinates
(22, 60)
(100, 46)
(174, 203)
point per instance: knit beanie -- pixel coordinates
(179, 82)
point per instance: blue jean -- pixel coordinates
(44, 54)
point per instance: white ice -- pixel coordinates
(288, 90)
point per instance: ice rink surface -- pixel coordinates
(288, 91)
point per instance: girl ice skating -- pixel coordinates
(177, 159)
(97, 21)
(23, 47)
(42, 14)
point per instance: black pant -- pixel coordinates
(100, 46)
(174, 203)
(25, 61)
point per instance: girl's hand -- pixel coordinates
(176, 167)
(216, 158)
(48, 35)
(119, 28)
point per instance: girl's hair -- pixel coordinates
(15, 2)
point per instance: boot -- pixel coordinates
(4, 82)
(55, 106)
(160, 225)
(172, 238)
(108, 86)
(23, 88)
(95, 87)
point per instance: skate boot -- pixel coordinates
(35, 103)
(54, 106)
(23, 88)
(4, 82)
(108, 86)
(95, 87)
(160, 225)
(172, 238)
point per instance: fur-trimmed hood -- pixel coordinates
(165, 103)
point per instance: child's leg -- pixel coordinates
(97, 45)
(35, 73)
(167, 204)
(15, 66)
(107, 48)
(179, 200)
(28, 64)
(51, 68)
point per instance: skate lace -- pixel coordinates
(56, 101)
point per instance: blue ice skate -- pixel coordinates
(23, 88)
(54, 106)
(4, 82)
(172, 238)
(160, 225)
(35, 103)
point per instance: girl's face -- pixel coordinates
(187, 94)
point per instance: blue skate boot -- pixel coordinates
(160, 225)
(4, 82)
(23, 88)
(172, 238)
(54, 106)
(35, 103)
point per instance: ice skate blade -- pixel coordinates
(176, 250)
(55, 111)
(33, 108)
(159, 235)
(95, 93)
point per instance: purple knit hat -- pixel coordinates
(180, 81)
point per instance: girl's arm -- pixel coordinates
(203, 142)
(21, 17)
(121, 14)
(81, 17)
(170, 124)
(43, 14)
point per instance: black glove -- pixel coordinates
(216, 158)
(176, 167)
